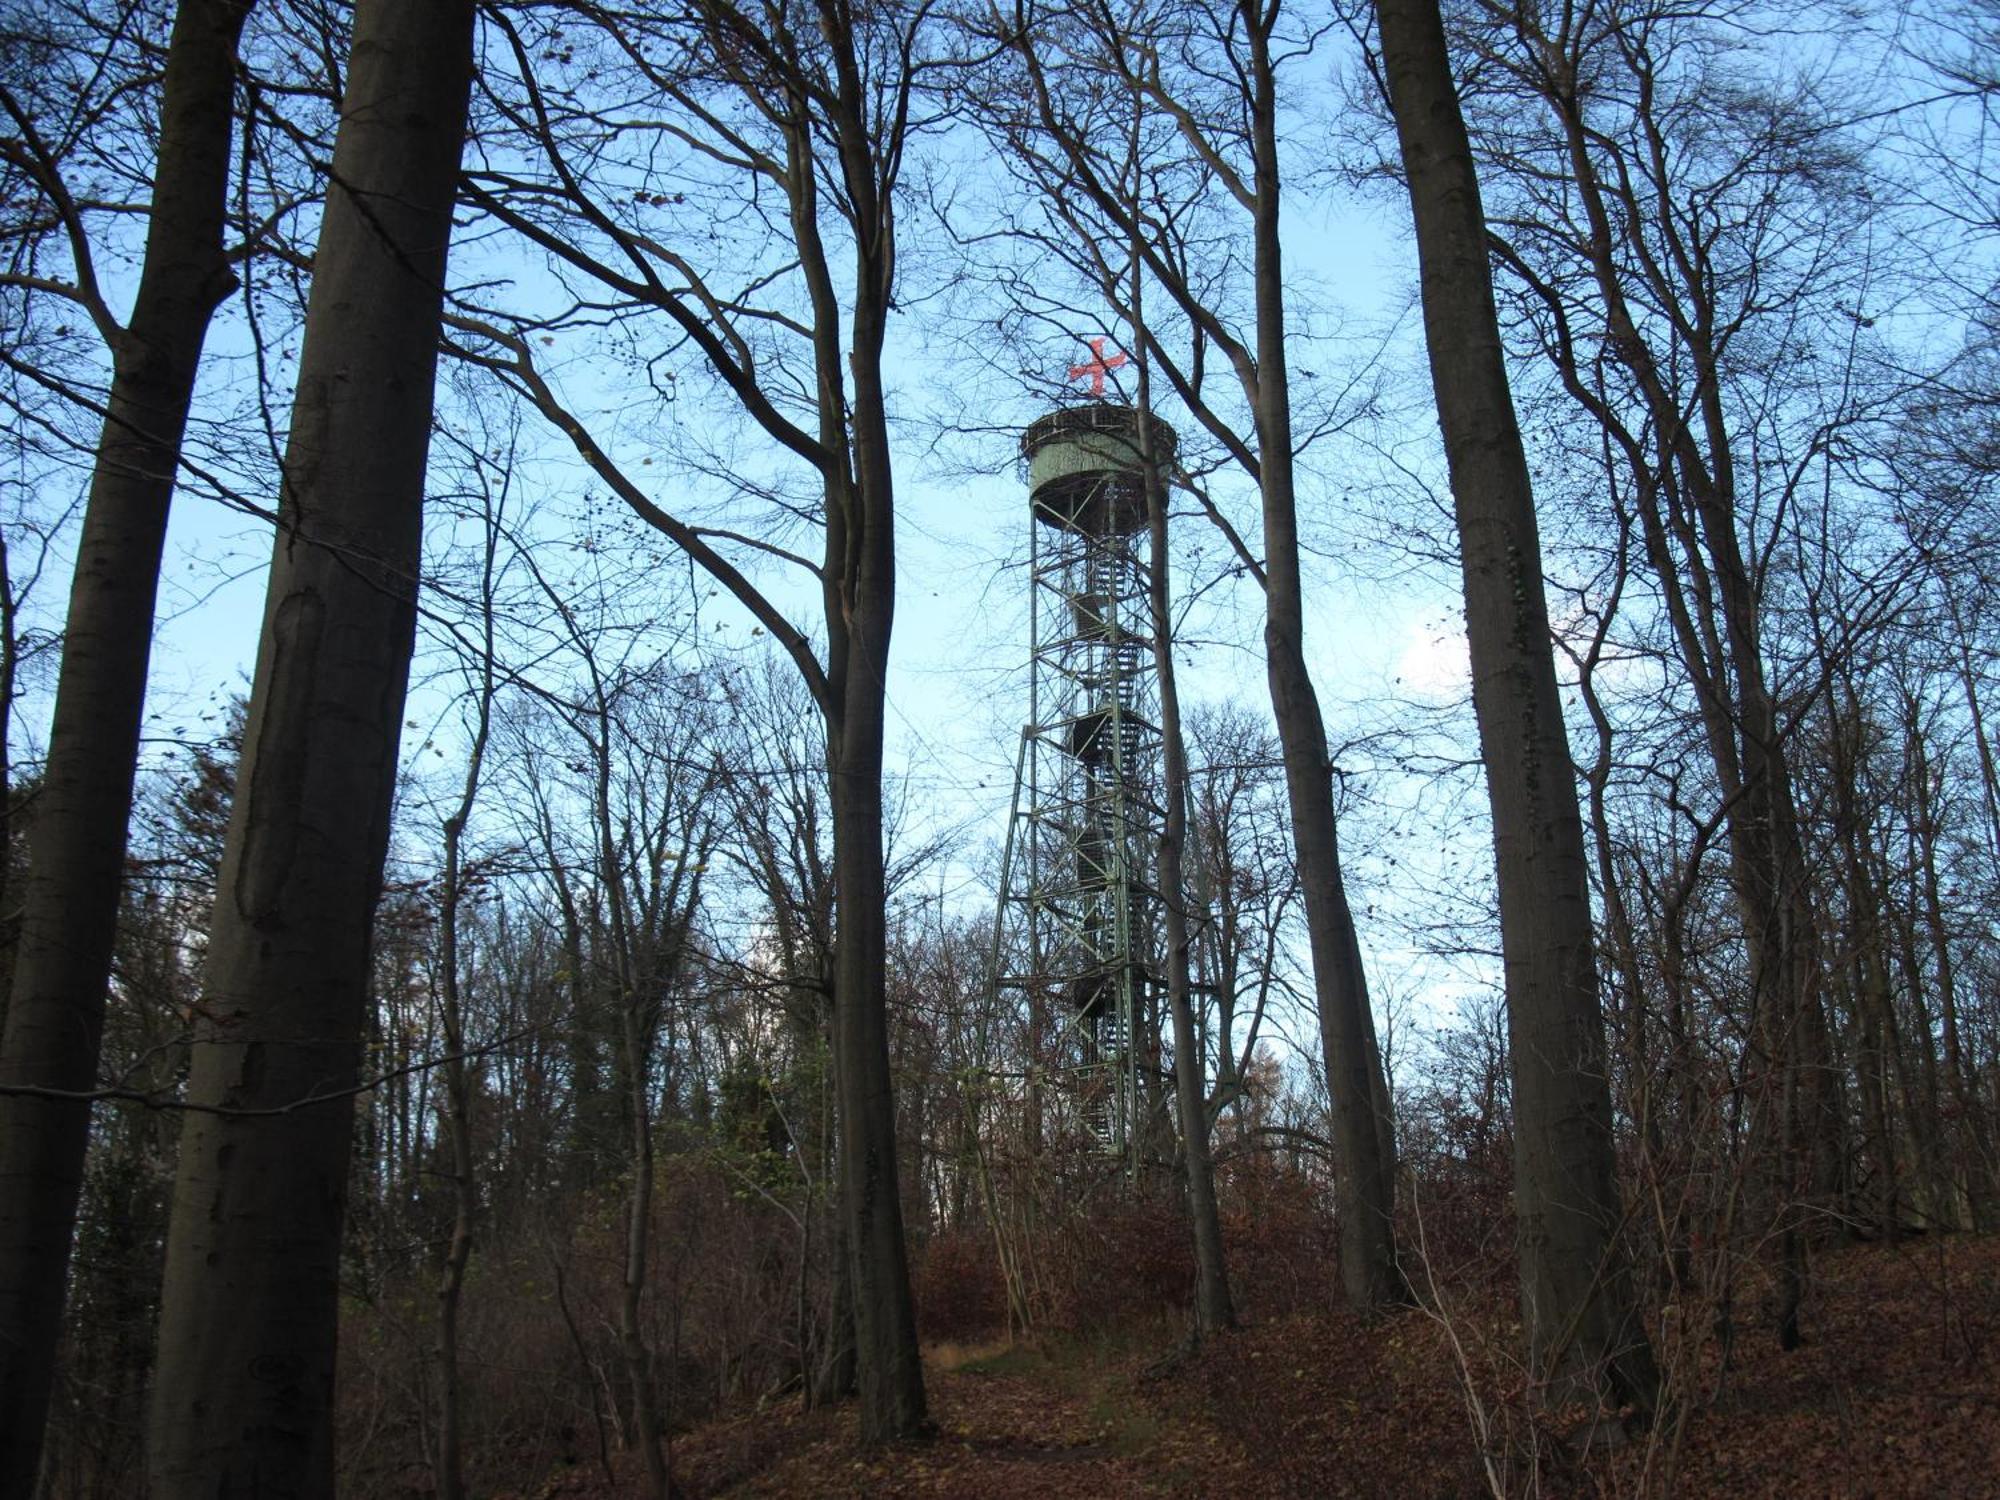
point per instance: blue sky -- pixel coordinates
(1379, 632)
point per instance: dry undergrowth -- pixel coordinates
(1894, 1395)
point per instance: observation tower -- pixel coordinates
(1079, 894)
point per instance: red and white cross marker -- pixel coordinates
(1098, 367)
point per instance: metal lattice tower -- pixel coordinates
(1078, 884)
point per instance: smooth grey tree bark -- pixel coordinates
(242, 1398)
(55, 1015)
(1578, 1309)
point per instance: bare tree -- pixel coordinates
(1577, 1307)
(778, 795)
(456, 879)
(55, 1014)
(813, 103)
(1213, 1309)
(1241, 864)
(243, 1395)
(1210, 72)
(1678, 234)
(651, 823)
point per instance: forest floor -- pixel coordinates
(1895, 1393)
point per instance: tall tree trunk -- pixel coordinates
(889, 1371)
(890, 1375)
(456, 1121)
(10, 677)
(55, 1016)
(1578, 1309)
(633, 1348)
(859, 601)
(1974, 1157)
(633, 971)
(834, 1376)
(1797, 1113)
(1213, 1309)
(243, 1397)
(1363, 1126)
(455, 1118)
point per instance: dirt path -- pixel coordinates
(1016, 1424)
(1895, 1395)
